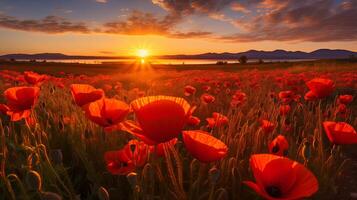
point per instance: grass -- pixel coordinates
(31, 165)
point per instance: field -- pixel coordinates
(178, 132)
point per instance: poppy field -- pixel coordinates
(188, 134)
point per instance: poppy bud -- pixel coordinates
(103, 193)
(50, 196)
(57, 156)
(33, 180)
(132, 179)
(214, 174)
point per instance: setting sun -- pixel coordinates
(142, 53)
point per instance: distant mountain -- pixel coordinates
(251, 54)
(277, 54)
(51, 56)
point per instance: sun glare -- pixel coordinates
(142, 53)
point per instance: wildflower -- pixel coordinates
(281, 178)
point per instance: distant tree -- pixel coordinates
(260, 61)
(12, 60)
(243, 59)
(221, 62)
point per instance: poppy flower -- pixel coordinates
(286, 96)
(206, 88)
(281, 178)
(217, 120)
(20, 101)
(161, 118)
(121, 162)
(345, 99)
(189, 90)
(193, 121)
(33, 78)
(83, 94)
(284, 109)
(160, 147)
(238, 98)
(341, 109)
(203, 146)
(340, 132)
(267, 126)
(206, 98)
(310, 96)
(106, 112)
(321, 87)
(279, 146)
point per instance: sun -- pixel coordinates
(142, 53)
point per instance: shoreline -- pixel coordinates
(109, 68)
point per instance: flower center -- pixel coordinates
(273, 191)
(275, 149)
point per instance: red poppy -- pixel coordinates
(286, 96)
(217, 120)
(341, 109)
(340, 132)
(238, 98)
(193, 121)
(203, 146)
(310, 96)
(267, 126)
(121, 162)
(83, 94)
(345, 99)
(20, 101)
(206, 98)
(160, 147)
(284, 109)
(189, 90)
(206, 88)
(279, 146)
(161, 118)
(34, 78)
(281, 178)
(106, 112)
(321, 87)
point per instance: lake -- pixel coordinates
(164, 61)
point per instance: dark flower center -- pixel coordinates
(286, 152)
(273, 191)
(275, 149)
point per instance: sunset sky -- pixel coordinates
(118, 27)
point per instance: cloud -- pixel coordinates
(101, 1)
(259, 20)
(49, 24)
(193, 34)
(141, 23)
(235, 6)
(298, 20)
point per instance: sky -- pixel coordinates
(121, 27)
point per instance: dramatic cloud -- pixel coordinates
(140, 23)
(298, 20)
(50, 24)
(254, 20)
